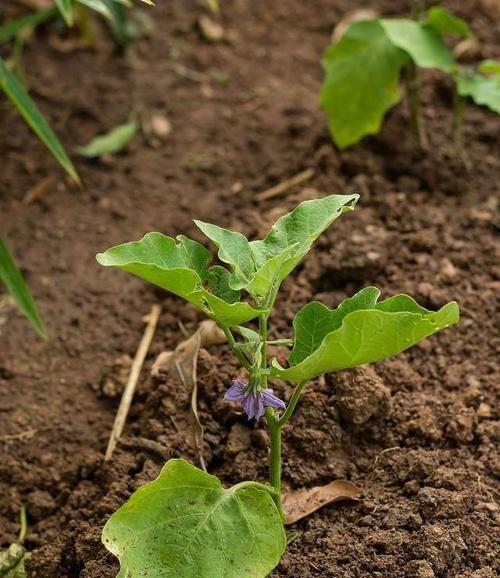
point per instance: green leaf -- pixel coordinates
(13, 28)
(98, 6)
(421, 42)
(66, 10)
(234, 249)
(291, 237)
(484, 90)
(13, 280)
(489, 67)
(213, 5)
(111, 143)
(444, 22)
(185, 524)
(361, 82)
(359, 331)
(315, 321)
(28, 110)
(180, 268)
(12, 561)
(260, 266)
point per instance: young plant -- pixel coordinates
(185, 523)
(363, 71)
(11, 277)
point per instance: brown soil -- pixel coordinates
(417, 433)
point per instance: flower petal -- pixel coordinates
(270, 400)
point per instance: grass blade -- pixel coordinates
(12, 28)
(34, 118)
(13, 280)
(66, 10)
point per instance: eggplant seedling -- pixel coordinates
(185, 523)
(364, 67)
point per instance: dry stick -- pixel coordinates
(285, 185)
(135, 370)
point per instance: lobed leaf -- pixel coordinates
(260, 266)
(185, 524)
(442, 21)
(484, 89)
(181, 268)
(421, 42)
(11, 277)
(35, 120)
(359, 331)
(361, 81)
(110, 143)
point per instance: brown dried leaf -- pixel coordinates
(355, 16)
(302, 503)
(182, 363)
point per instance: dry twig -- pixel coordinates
(282, 187)
(135, 370)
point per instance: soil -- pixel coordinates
(418, 433)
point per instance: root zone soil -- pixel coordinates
(419, 433)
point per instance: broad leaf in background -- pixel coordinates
(444, 22)
(28, 110)
(365, 335)
(181, 268)
(185, 524)
(483, 89)
(361, 82)
(66, 10)
(12, 28)
(111, 143)
(13, 280)
(260, 266)
(422, 43)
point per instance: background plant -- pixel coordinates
(364, 69)
(184, 522)
(18, 95)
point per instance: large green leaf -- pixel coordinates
(260, 266)
(66, 10)
(359, 331)
(28, 110)
(12, 28)
(13, 280)
(421, 42)
(181, 268)
(443, 22)
(483, 89)
(234, 249)
(110, 143)
(361, 82)
(186, 525)
(315, 321)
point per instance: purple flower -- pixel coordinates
(253, 402)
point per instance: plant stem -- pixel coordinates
(291, 404)
(416, 121)
(275, 452)
(234, 346)
(458, 117)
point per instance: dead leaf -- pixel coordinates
(358, 15)
(210, 29)
(38, 190)
(182, 363)
(467, 50)
(302, 503)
